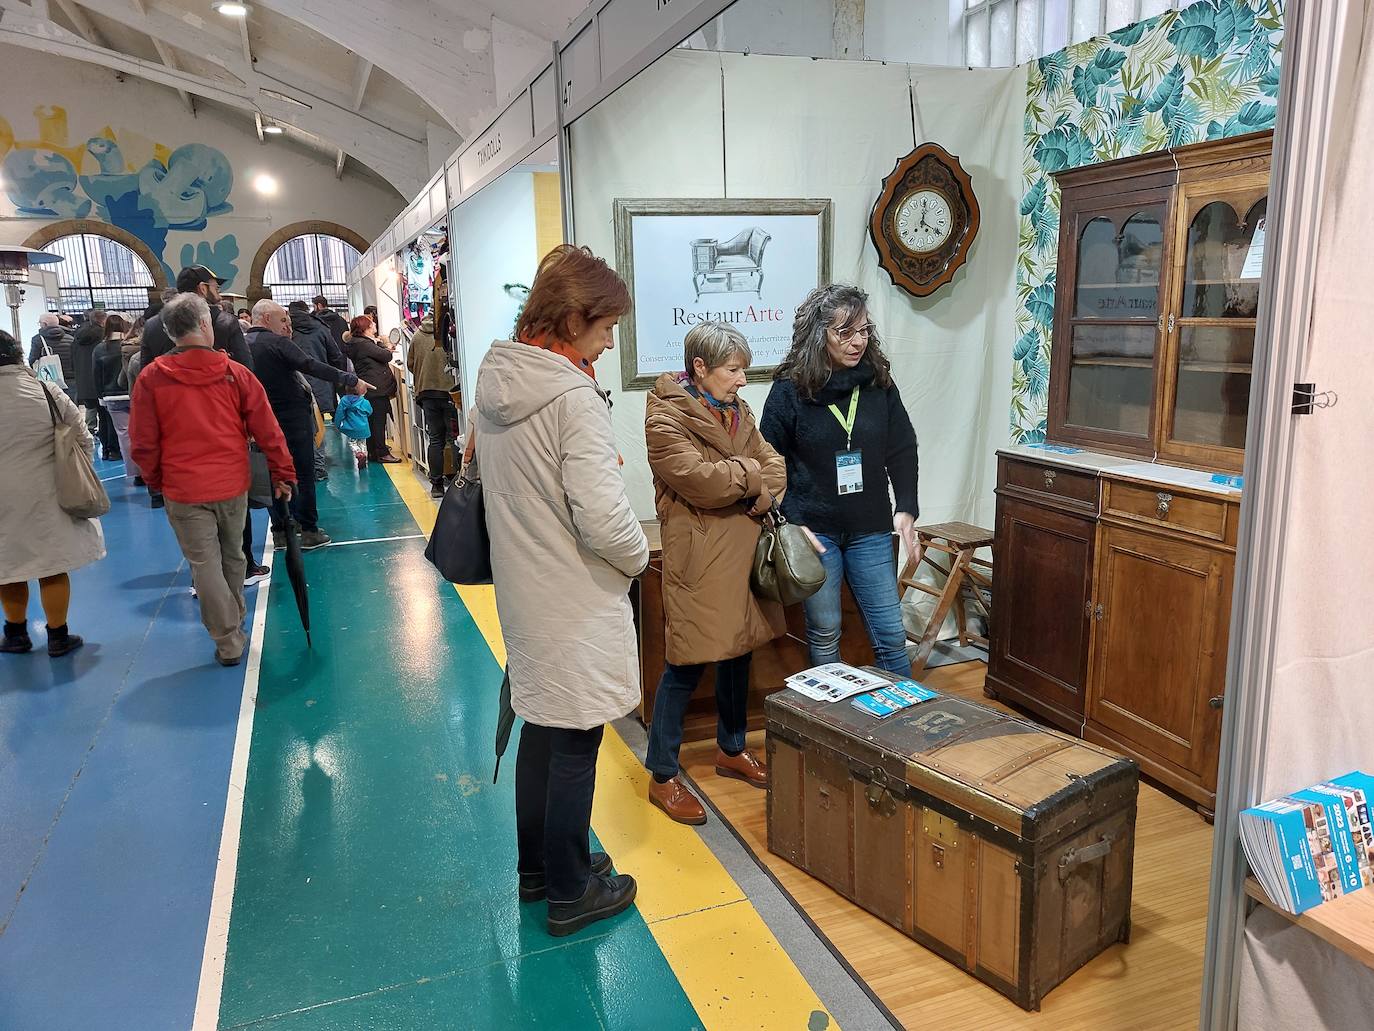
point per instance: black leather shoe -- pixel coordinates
(605, 897)
(533, 886)
(64, 644)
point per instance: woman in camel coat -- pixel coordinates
(715, 477)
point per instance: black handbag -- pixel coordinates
(459, 546)
(786, 567)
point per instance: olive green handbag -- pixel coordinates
(786, 566)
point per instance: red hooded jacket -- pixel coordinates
(192, 413)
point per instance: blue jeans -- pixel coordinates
(866, 561)
(670, 706)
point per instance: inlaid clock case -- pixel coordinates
(928, 167)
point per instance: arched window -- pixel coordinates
(100, 273)
(311, 264)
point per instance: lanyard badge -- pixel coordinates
(849, 463)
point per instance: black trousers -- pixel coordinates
(440, 419)
(300, 441)
(376, 444)
(105, 431)
(248, 540)
(555, 778)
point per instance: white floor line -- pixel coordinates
(107, 479)
(376, 540)
(226, 868)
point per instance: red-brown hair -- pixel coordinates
(359, 326)
(571, 281)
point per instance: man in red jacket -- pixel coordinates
(193, 410)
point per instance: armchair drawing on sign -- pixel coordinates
(725, 264)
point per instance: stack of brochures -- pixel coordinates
(1313, 845)
(893, 698)
(834, 682)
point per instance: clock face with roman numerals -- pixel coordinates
(925, 220)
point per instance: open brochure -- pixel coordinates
(1314, 845)
(834, 682)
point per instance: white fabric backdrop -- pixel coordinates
(796, 127)
(1322, 705)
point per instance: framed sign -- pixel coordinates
(746, 262)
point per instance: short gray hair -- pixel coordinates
(47, 321)
(715, 343)
(183, 314)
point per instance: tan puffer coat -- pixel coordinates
(704, 482)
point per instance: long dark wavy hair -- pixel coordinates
(807, 365)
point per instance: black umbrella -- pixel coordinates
(505, 720)
(295, 565)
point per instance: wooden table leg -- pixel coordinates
(937, 619)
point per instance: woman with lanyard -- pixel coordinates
(837, 418)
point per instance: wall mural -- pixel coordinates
(1207, 72)
(124, 179)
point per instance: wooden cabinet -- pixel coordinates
(1039, 653)
(1112, 613)
(1159, 654)
(1154, 315)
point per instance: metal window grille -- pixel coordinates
(305, 266)
(99, 273)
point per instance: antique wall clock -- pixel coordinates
(925, 220)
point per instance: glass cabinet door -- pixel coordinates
(1114, 322)
(1213, 331)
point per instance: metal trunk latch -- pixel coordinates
(880, 799)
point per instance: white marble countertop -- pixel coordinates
(1119, 467)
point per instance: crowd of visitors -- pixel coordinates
(183, 391)
(177, 394)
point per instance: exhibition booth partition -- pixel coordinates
(1064, 265)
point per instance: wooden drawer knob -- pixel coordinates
(1050, 474)
(1165, 500)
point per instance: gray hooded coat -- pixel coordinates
(565, 544)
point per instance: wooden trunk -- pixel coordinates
(772, 664)
(1002, 846)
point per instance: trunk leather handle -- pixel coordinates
(1076, 857)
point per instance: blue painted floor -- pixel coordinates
(114, 765)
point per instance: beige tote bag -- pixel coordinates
(79, 490)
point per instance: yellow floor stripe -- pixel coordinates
(726, 959)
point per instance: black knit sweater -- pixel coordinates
(807, 434)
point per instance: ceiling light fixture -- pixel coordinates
(273, 130)
(265, 184)
(231, 9)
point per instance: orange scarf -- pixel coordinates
(569, 352)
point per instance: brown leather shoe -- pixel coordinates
(675, 800)
(742, 767)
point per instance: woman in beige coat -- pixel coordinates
(565, 547)
(38, 540)
(715, 477)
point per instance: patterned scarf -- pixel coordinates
(726, 411)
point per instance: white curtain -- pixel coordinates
(1322, 705)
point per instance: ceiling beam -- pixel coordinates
(398, 159)
(440, 51)
(247, 43)
(339, 165)
(361, 74)
(83, 24)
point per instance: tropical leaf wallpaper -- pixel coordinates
(1206, 72)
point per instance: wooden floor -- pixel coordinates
(1153, 983)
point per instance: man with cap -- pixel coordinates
(197, 279)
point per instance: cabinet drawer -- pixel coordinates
(1162, 506)
(1051, 481)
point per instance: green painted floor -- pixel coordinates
(376, 873)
